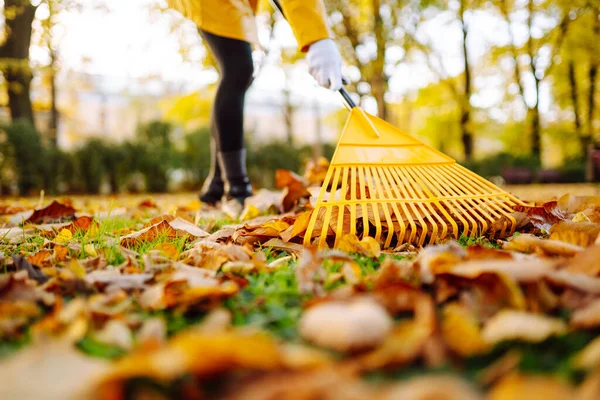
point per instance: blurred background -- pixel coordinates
(112, 96)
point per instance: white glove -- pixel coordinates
(325, 63)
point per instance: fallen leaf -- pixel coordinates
(51, 213)
(294, 186)
(115, 333)
(90, 250)
(520, 325)
(461, 331)
(433, 387)
(167, 229)
(530, 244)
(368, 246)
(60, 253)
(346, 326)
(518, 386)
(582, 234)
(199, 354)
(50, 370)
(76, 268)
(63, 237)
(586, 262)
(168, 250)
(38, 258)
(587, 317)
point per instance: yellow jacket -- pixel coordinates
(235, 18)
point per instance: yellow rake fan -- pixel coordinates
(386, 184)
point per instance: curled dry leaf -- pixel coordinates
(582, 234)
(175, 228)
(527, 243)
(520, 325)
(295, 186)
(366, 246)
(586, 262)
(434, 260)
(54, 212)
(346, 326)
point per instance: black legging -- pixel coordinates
(235, 65)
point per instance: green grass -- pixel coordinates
(270, 301)
(466, 241)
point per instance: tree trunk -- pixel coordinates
(378, 79)
(592, 77)
(534, 112)
(575, 104)
(465, 107)
(53, 107)
(15, 50)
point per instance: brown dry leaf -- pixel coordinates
(50, 370)
(461, 330)
(175, 228)
(587, 262)
(115, 333)
(199, 354)
(527, 243)
(359, 324)
(434, 387)
(295, 185)
(148, 203)
(582, 234)
(590, 388)
(310, 274)
(581, 282)
(278, 244)
(587, 317)
(83, 223)
(51, 213)
(393, 271)
(545, 215)
(316, 170)
(113, 278)
(519, 386)
(433, 260)
(520, 325)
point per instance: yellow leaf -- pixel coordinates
(249, 213)
(520, 387)
(370, 246)
(90, 250)
(581, 217)
(60, 253)
(76, 268)
(461, 331)
(277, 224)
(63, 237)
(168, 250)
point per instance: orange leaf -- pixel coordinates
(60, 253)
(39, 257)
(168, 249)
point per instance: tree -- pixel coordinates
(460, 87)
(19, 16)
(535, 67)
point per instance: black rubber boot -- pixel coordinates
(214, 186)
(233, 166)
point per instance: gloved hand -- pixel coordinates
(325, 63)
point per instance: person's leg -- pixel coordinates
(234, 58)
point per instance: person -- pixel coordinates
(228, 28)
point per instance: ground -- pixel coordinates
(163, 297)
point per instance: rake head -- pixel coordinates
(385, 184)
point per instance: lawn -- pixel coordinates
(161, 297)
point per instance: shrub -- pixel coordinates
(28, 155)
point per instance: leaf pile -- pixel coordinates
(152, 299)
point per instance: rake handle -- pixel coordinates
(345, 94)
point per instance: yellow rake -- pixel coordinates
(385, 183)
